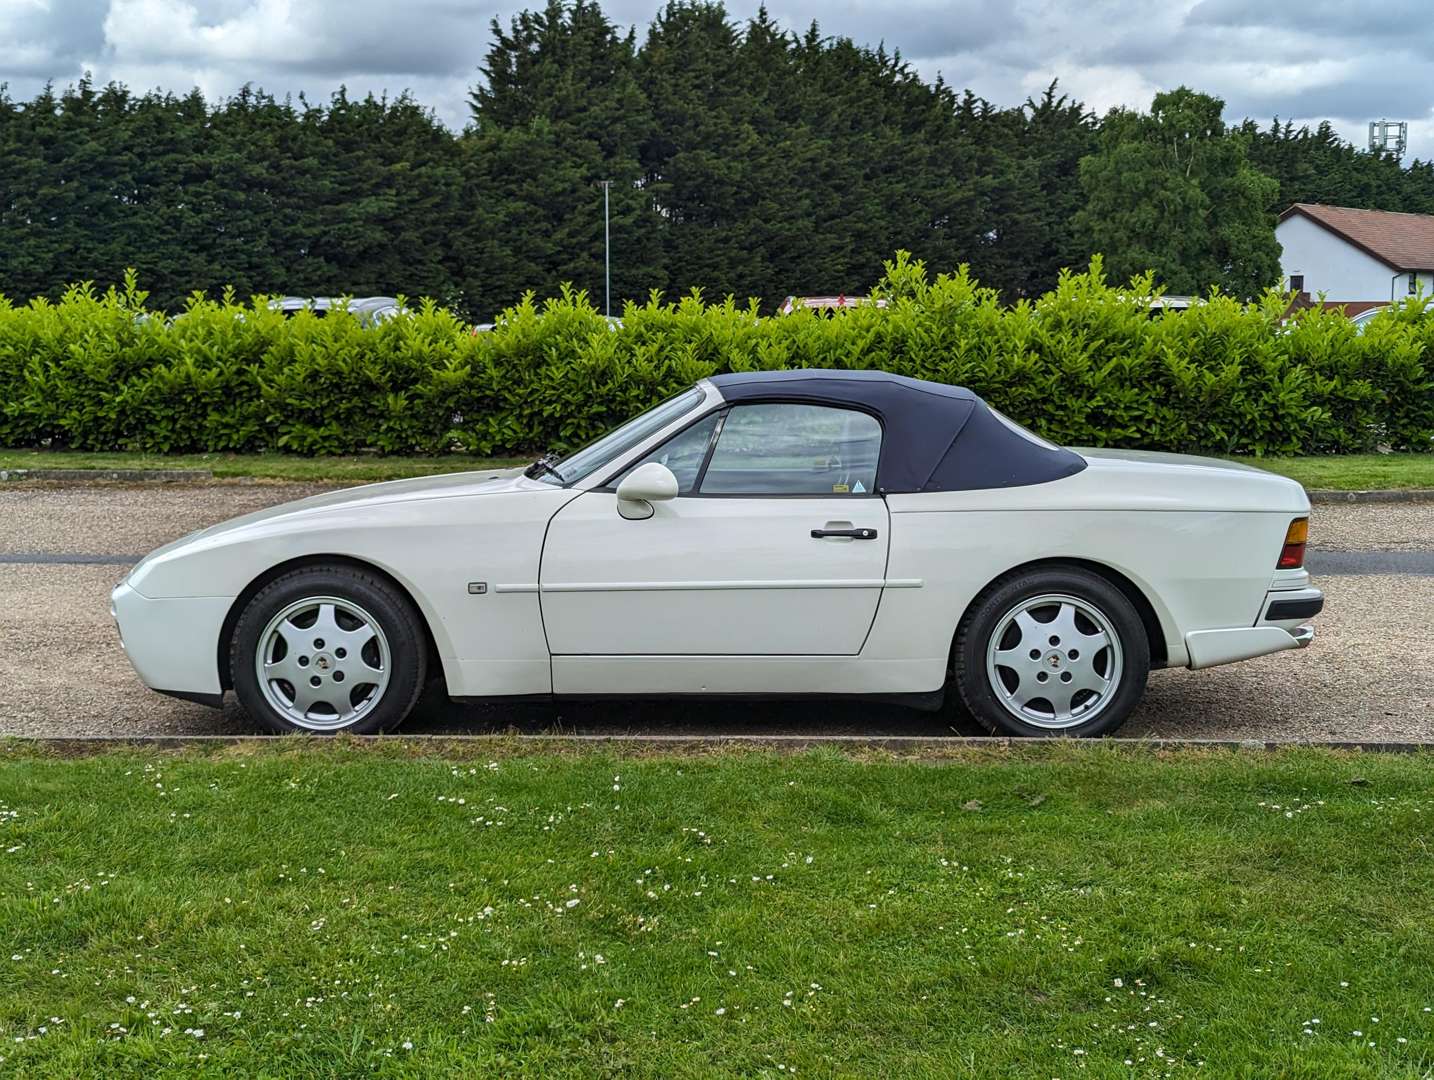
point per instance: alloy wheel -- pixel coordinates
(1054, 661)
(323, 662)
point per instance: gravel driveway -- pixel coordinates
(1367, 675)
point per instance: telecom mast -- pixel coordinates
(1388, 137)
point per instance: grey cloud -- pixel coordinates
(1319, 58)
(41, 39)
(1376, 95)
(1338, 20)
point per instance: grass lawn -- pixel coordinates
(1346, 471)
(1353, 472)
(1053, 911)
(341, 469)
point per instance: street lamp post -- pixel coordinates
(606, 251)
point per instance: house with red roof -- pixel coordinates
(1358, 259)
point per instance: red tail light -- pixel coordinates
(1292, 555)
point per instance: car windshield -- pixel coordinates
(620, 440)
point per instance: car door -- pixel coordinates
(775, 545)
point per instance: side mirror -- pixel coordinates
(644, 486)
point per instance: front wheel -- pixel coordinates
(1056, 651)
(328, 649)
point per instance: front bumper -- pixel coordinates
(173, 643)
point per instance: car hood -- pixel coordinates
(444, 486)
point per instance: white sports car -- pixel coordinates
(769, 534)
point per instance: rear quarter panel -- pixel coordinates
(1199, 537)
(1200, 569)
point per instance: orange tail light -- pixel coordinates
(1292, 555)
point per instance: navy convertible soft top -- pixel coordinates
(934, 437)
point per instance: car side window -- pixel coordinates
(783, 448)
(683, 454)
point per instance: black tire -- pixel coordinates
(389, 609)
(988, 614)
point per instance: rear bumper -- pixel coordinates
(1289, 608)
(1283, 624)
(1209, 648)
(172, 643)
(1302, 607)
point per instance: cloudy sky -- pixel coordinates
(1307, 60)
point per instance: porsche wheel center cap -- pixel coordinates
(322, 662)
(1054, 660)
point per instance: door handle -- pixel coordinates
(850, 534)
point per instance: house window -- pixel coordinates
(1297, 283)
(1413, 284)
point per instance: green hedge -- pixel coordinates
(1084, 365)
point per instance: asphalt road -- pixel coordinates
(1367, 676)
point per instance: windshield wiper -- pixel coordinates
(544, 464)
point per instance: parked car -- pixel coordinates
(612, 321)
(827, 305)
(1163, 305)
(369, 310)
(1364, 318)
(765, 533)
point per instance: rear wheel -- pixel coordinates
(1053, 651)
(327, 649)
